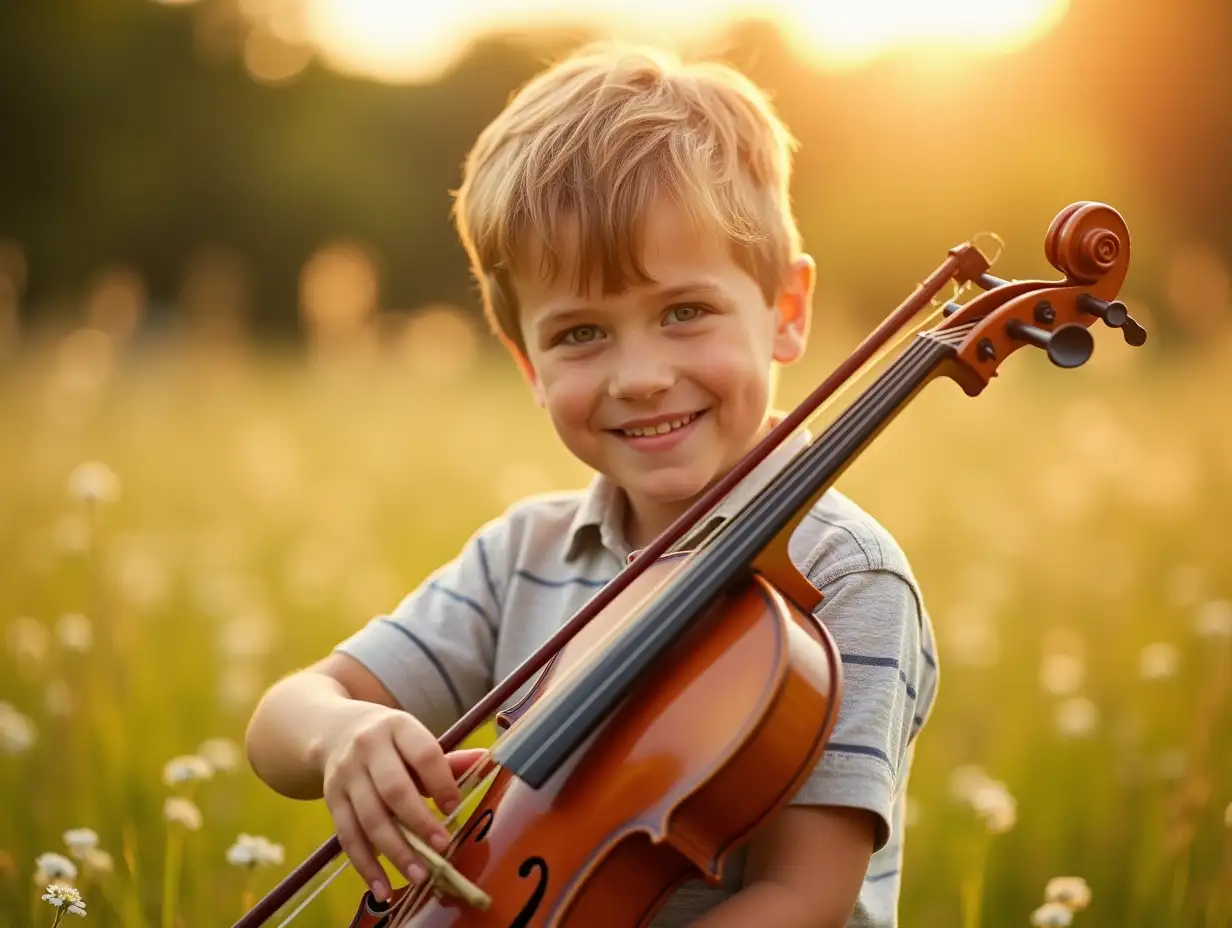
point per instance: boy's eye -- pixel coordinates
(685, 312)
(580, 335)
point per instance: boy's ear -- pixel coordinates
(794, 310)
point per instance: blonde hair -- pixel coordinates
(594, 140)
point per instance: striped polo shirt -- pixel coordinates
(524, 574)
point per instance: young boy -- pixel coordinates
(628, 219)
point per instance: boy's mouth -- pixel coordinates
(658, 435)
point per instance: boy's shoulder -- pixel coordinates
(837, 537)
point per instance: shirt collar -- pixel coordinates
(601, 514)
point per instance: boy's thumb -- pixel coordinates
(462, 761)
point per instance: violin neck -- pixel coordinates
(534, 750)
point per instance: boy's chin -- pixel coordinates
(665, 490)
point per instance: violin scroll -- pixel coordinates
(1089, 243)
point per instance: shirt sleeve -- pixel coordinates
(874, 618)
(435, 652)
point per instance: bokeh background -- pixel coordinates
(247, 401)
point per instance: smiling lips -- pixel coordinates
(657, 435)
(660, 428)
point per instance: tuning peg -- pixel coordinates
(1134, 333)
(1069, 346)
(988, 282)
(1113, 313)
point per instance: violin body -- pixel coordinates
(717, 739)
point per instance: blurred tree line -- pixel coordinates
(126, 140)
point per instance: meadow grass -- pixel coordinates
(1070, 530)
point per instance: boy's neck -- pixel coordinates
(645, 520)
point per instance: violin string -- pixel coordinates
(338, 870)
(585, 660)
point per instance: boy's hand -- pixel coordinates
(365, 779)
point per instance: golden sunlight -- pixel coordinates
(839, 33)
(407, 41)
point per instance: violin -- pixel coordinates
(610, 783)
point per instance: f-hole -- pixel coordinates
(532, 904)
(483, 824)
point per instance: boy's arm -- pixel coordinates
(804, 870)
(806, 867)
(296, 718)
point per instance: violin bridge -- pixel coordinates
(444, 876)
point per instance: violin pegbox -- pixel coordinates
(1089, 243)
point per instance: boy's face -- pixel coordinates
(688, 355)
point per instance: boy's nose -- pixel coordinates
(639, 375)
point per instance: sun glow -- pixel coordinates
(411, 40)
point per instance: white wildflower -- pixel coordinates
(94, 481)
(1077, 717)
(1214, 619)
(75, 632)
(254, 851)
(1158, 661)
(28, 639)
(1052, 915)
(181, 811)
(52, 866)
(60, 895)
(1069, 891)
(995, 806)
(80, 841)
(221, 754)
(188, 768)
(17, 732)
(1061, 674)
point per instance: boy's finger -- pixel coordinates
(462, 761)
(379, 828)
(357, 848)
(397, 791)
(420, 750)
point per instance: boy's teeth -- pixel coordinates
(662, 428)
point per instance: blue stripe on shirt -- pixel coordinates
(487, 573)
(839, 748)
(465, 600)
(436, 662)
(544, 581)
(869, 661)
(866, 660)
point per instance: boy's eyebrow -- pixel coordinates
(566, 313)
